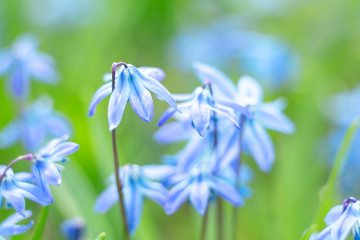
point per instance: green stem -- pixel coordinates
(204, 224)
(42, 223)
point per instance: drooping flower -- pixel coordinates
(137, 183)
(198, 185)
(46, 167)
(73, 228)
(35, 125)
(23, 62)
(9, 226)
(14, 188)
(269, 115)
(134, 85)
(200, 105)
(341, 220)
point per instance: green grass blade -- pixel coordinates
(101, 236)
(42, 223)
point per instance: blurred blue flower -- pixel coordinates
(46, 169)
(256, 141)
(132, 84)
(199, 184)
(73, 228)
(22, 62)
(137, 183)
(200, 105)
(268, 59)
(341, 109)
(341, 219)
(9, 228)
(34, 126)
(15, 187)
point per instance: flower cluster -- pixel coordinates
(34, 185)
(218, 120)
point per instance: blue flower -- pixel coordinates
(9, 228)
(248, 93)
(46, 167)
(132, 84)
(35, 125)
(14, 188)
(73, 228)
(22, 62)
(199, 184)
(200, 105)
(137, 183)
(341, 220)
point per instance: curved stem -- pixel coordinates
(42, 223)
(28, 157)
(117, 166)
(238, 168)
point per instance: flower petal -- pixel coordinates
(10, 134)
(106, 199)
(155, 191)
(249, 91)
(5, 61)
(156, 73)
(200, 116)
(19, 81)
(226, 191)
(41, 67)
(341, 228)
(199, 196)
(133, 201)
(14, 229)
(177, 196)
(173, 132)
(141, 100)
(99, 95)
(333, 214)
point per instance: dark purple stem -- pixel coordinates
(116, 162)
(28, 157)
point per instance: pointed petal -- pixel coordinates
(106, 199)
(177, 196)
(19, 81)
(14, 197)
(49, 173)
(227, 114)
(226, 191)
(333, 214)
(41, 67)
(64, 149)
(173, 132)
(341, 228)
(324, 234)
(199, 196)
(166, 116)
(156, 73)
(99, 95)
(141, 101)
(182, 96)
(118, 101)
(14, 229)
(158, 172)
(34, 193)
(249, 91)
(258, 144)
(133, 204)
(10, 134)
(155, 191)
(200, 116)
(15, 218)
(5, 61)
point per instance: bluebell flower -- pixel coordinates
(73, 228)
(35, 125)
(137, 183)
(268, 115)
(46, 167)
(23, 62)
(200, 105)
(14, 188)
(341, 220)
(198, 185)
(269, 59)
(132, 84)
(9, 226)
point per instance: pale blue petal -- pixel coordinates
(133, 204)
(173, 132)
(49, 173)
(199, 195)
(5, 61)
(258, 144)
(99, 95)
(14, 197)
(227, 114)
(334, 214)
(341, 228)
(57, 124)
(15, 218)
(200, 116)
(177, 196)
(141, 100)
(64, 149)
(182, 96)
(158, 172)
(155, 191)
(226, 191)
(41, 67)
(49, 147)
(10, 134)
(7, 227)
(19, 81)
(249, 91)
(106, 199)
(222, 85)
(166, 116)
(156, 73)
(324, 234)
(118, 100)
(34, 193)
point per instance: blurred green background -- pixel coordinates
(324, 33)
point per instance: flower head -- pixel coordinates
(46, 167)
(137, 183)
(134, 85)
(9, 226)
(341, 220)
(73, 228)
(22, 62)
(35, 125)
(14, 188)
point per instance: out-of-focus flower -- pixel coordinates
(341, 109)
(268, 59)
(34, 126)
(132, 84)
(9, 226)
(14, 188)
(137, 183)
(73, 228)
(22, 62)
(256, 141)
(341, 220)
(198, 184)
(46, 167)
(201, 104)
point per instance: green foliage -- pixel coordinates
(101, 236)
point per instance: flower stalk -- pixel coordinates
(28, 157)
(116, 163)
